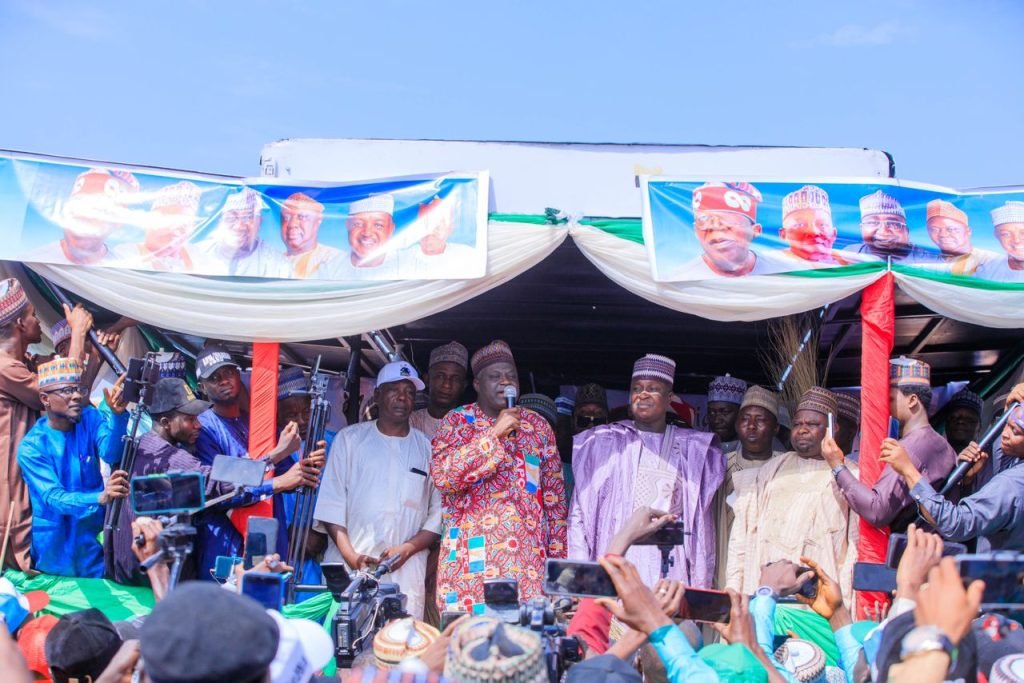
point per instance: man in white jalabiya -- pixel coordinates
(377, 499)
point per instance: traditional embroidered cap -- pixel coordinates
(905, 371)
(880, 202)
(60, 372)
(653, 366)
(1010, 212)
(739, 198)
(246, 199)
(211, 359)
(452, 352)
(402, 639)
(495, 352)
(938, 208)
(104, 181)
(60, 333)
(807, 197)
(592, 394)
(12, 300)
(803, 659)
(397, 371)
(727, 389)
(847, 407)
(539, 403)
(383, 203)
(300, 201)
(484, 650)
(965, 398)
(759, 396)
(291, 382)
(819, 400)
(183, 194)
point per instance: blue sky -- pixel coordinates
(203, 85)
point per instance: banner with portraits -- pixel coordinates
(696, 229)
(68, 213)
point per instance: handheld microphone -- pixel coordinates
(961, 469)
(510, 402)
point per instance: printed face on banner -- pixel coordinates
(698, 230)
(426, 228)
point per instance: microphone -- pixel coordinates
(961, 469)
(510, 402)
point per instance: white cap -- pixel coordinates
(379, 202)
(398, 371)
(304, 648)
(1010, 212)
(246, 199)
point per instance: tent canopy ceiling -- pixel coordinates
(567, 323)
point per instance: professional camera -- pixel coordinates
(501, 600)
(365, 604)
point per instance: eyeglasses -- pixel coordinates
(888, 225)
(68, 392)
(588, 421)
(706, 222)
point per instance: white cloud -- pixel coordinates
(856, 35)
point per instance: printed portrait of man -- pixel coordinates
(725, 224)
(434, 254)
(169, 225)
(236, 248)
(372, 253)
(884, 231)
(1009, 228)
(808, 229)
(949, 229)
(97, 206)
(301, 218)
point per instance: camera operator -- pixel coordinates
(377, 499)
(224, 430)
(995, 512)
(175, 428)
(60, 461)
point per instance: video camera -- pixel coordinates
(501, 600)
(173, 497)
(365, 604)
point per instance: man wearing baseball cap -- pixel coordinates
(725, 223)
(224, 430)
(377, 499)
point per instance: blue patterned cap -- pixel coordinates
(291, 382)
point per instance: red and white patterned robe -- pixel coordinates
(503, 502)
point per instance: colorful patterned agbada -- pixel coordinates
(504, 507)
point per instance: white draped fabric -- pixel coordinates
(747, 298)
(986, 306)
(240, 309)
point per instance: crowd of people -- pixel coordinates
(453, 494)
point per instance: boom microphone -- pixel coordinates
(961, 469)
(510, 402)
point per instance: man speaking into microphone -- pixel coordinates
(502, 494)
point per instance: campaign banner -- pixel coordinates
(698, 229)
(65, 212)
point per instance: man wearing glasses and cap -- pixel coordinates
(883, 227)
(236, 247)
(60, 460)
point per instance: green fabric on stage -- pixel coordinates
(807, 625)
(71, 595)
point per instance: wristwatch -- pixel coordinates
(837, 469)
(929, 638)
(766, 592)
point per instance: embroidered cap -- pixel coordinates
(965, 398)
(905, 371)
(820, 400)
(60, 372)
(727, 389)
(653, 366)
(759, 396)
(12, 300)
(452, 352)
(291, 382)
(847, 408)
(497, 351)
(880, 202)
(807, 197)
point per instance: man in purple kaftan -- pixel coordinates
(646, 462)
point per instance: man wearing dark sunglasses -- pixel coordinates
(60, 461)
